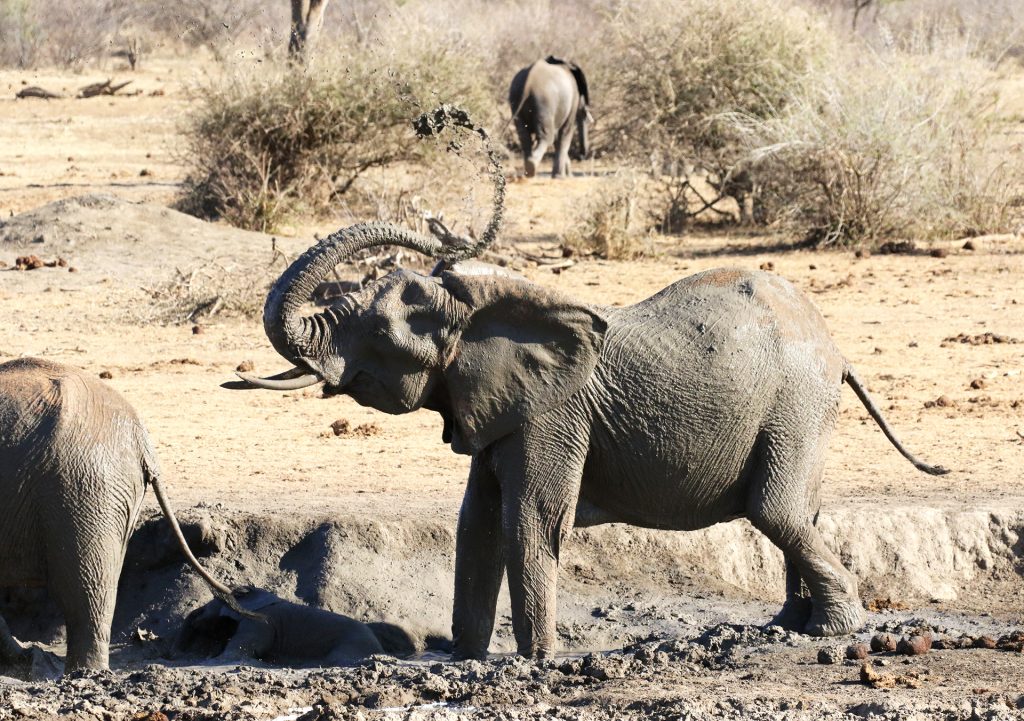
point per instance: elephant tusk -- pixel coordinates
(289, 380)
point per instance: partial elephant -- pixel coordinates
(550, 102)
(287, 633)
(291, 633)
(75, 461)
(710, 401)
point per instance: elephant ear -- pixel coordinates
(577, 72)
(523, 351)
(581, 82)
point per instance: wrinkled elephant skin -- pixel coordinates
(712, 400)
(289, 633)
(75, 461)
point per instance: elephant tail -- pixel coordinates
(219, 589)
(858, 387)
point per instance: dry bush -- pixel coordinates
(895, 144)
(212, 290)
(682, 63)
(65, 33)
(264, 146)
(993, 28)
(611, 224)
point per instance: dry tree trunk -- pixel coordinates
(307, 19)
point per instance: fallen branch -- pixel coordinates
(104, 88)
(34, 91)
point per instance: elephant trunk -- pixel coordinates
(295, 336)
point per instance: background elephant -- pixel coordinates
(550, 102)
(712, 400)
(74, 464)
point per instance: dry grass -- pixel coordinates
(901, 144)
(212, 290)
(611, 224)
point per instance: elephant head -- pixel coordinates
(487, 352)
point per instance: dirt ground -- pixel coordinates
(938, 336)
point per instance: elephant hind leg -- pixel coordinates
(87, 595)
(563, 142)
(779, 507)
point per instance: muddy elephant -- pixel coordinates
(75, 461)
(292, 634)
(712, 400)
(288, 633)
(550, 103)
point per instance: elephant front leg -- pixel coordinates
(540, 475)
(479, 563)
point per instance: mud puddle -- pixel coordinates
(652, 626)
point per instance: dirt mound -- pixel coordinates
(131, 240)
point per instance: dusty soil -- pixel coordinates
(362, 523)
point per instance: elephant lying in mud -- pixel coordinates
(75, 461)
(290, 633)
(550, 102)
(712, 400)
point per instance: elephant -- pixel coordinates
(288, 632)
(550, 101)
(75, 461)
(712, 400)
(291, 633)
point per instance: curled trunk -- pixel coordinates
(293, 335)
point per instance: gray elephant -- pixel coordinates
(550, 102)
(287, 632)
(712, 400)
(75, 461)
(292, 633)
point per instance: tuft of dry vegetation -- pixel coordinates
(898, 144)
(611, 224)
(211, 290)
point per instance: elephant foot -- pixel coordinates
(795, 614)
(836, 618)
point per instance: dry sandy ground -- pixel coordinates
(956, 540)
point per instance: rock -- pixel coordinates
(106, 375)
(914, 645)
(28, 262)
(857, 651)
(968, 245)
(340, 427)
(984, 642)
(883, 642)
(938, 252)
(246, 366)
(197, 329)
(831, 654)
(978, 383)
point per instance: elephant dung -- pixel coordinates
(882, 642)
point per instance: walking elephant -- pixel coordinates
(75, 461)
(550, 102)
(712, 400)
